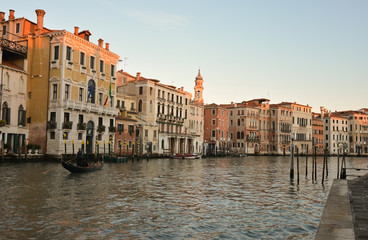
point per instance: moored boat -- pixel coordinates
(74, 168)
(186, 156)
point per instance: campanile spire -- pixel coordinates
(198, 88)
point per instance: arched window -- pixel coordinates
(21, 85)
(6, 113)
(163, 144)
(237, 135)
(21, 116)
(140, 105)
(158, 107)
(91, 91)
(151, 106)
(242, 135)
(238, 122)
(6, 81)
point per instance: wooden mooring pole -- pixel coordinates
(306, 164)
(297, 162)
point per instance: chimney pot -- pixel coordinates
(100, 42)
(2, 16)
(138, 75)
(107, 46)
(76, 30)
(11, 14)
(40, 13)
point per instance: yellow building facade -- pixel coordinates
(68, 83)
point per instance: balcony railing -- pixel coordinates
(81, 126)
(13, 46)
(51, 124)
(112, 129)
(88, 107)
(101, 128)
(68, 125)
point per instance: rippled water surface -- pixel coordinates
(223, 198)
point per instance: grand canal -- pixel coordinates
(222, 198)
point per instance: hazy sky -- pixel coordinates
(311, 52)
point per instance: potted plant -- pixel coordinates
(6, 147)
(29, 148)
(51, 124)
(101, 128)
(112, 129)
(81, 126)
(37, 148)
(2, 123)
(67, 125)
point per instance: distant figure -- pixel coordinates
(79, 157)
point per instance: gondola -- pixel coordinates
(73, 168)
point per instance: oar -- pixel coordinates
(49, 170)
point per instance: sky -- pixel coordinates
(310, 52)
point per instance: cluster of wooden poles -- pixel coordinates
(341, 170)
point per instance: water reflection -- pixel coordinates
(238, 198)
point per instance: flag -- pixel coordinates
(90, 91)
(108, 96)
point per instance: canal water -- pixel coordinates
(213, 198)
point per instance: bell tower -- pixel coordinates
(198, 89)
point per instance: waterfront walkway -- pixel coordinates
(346, 212)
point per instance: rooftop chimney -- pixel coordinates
(76, 30)
(138, 75)
(107, 46)
(40, 13)
(100, 43)
(11, 14)
(2, 16)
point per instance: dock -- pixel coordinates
(345, 215)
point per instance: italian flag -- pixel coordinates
(108, 96)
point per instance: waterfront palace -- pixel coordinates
(59, 89)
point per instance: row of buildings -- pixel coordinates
(58, 88)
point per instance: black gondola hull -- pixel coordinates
(78, 169)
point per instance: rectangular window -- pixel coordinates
(54, 91)
(68, 53)
(56, 52)
(53, 116)
(100, 98)
(100, 121)
(66, 117)
(122, 104)
(67, 91)
(117, 103)
(112, 70)
(80, 136)
(120, 128)
(213, 133)
(146, 133)
(82, 55)
(52, 135)
(111, 122)
(4, 30)
(80, 118)
(213, 111)
(101, 66)
(140, 90)
(80, 94)
(154, 133)
(17, 28)
(92, 62)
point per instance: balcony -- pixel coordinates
(101, 128)
(89, 107)
(81, 126)
(112, 129)
(51, 125)
(14, 47)
(68, 125)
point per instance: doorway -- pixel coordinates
(89, 137)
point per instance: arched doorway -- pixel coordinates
(89, 137)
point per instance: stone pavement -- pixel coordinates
(336, 221)
(358, 189)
